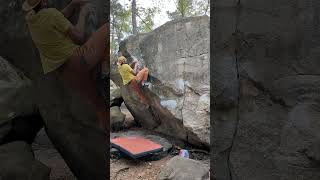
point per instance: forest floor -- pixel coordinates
(51, 157)
(122, 168)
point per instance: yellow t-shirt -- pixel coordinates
(48, 30)
(126, 73)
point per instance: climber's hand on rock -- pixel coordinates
(79, 2)
(84, 10)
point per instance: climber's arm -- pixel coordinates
(76, 33)
(70, 8)
(129, 69)
(133, 72)
(134, 66)
(63, 25)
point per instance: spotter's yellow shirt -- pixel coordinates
(126, 73)
(48, 30)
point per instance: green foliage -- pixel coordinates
(121, 16)
(201, 7)
(188, 8)
(113, 46)
(120, 23)
(146, 16)
(184, 7)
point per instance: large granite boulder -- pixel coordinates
(266, 99)
(182, 168)
(18, 163)
(177, 55)
(16, 97)
(69, 122)
(115, 95)
(116, 118)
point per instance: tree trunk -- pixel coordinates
(134, 17)
(207, 7)
(118, 37)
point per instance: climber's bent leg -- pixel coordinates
(133, 65)
(83, 82)
(145, 77)
(136, 88)
(139, 78)
(95, 49)
(77, 72)
(142, 75)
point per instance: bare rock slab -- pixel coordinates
(182, 168)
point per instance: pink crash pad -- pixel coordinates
(136, 147)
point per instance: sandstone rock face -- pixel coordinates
(16, 96)
(114, 91)
(177, 55)
(267, 128)
(116, 118)
(115, 95)
(183, 168)
(17, 162)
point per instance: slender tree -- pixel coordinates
(120, 23)
(187, 8)
(134, 17)
(146, 17)
(183, 7)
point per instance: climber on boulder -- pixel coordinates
(128, 73)
(64, 52)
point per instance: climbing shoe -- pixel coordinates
(146, 84)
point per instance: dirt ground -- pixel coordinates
(120, 169)
(124, 169)
(50, 157)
